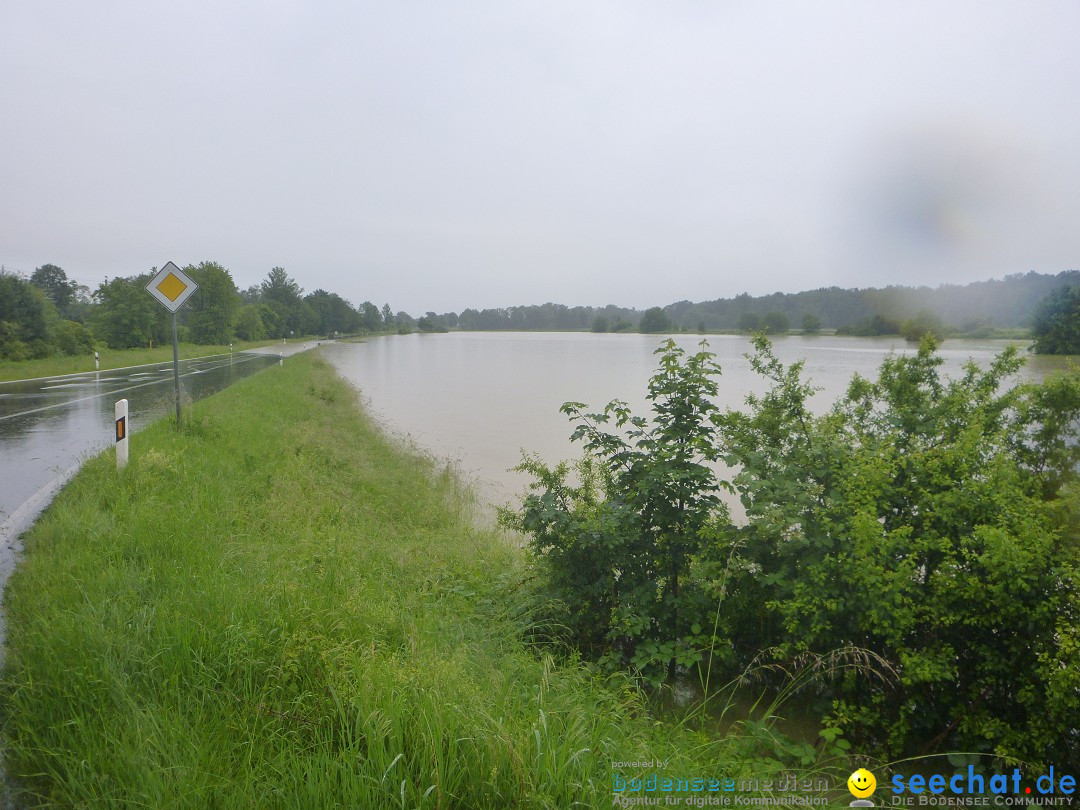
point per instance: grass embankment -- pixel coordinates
(277, 607)
(115, 358)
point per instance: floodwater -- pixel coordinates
(477, 399)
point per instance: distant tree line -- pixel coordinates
(980, 309)
(975, 309)
(49, 314)
(549, 317)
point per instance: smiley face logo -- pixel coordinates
(861, 783)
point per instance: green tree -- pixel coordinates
(619, 545)
(252, 295)
(654, 320)
(72, 338)
(370, 318)
(81, 306)
(249, 324)
(811, 324)
(127, 316)
(600, 324)
(53, 281)
(776, 323)
(281, 287)
(294, 316)
(387, 317)
(272, 322)
(925, 322)
(27, 318)
(333, 313)
(211, 311)
(749, 322)
(1056, 325)
(430, 322)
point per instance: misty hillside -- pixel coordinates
(1007, 302)
(982, 305)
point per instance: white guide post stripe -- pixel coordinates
(121, 413)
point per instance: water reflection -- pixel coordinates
(479, 398)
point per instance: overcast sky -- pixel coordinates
(441, 155)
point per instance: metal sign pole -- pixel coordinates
(176, 368)
(172, 287)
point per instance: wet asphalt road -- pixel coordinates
(48, 426)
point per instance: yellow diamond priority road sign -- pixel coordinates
(171, 286)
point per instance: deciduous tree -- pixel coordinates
(1056, 326)
(211, 311)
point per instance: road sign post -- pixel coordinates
(176, 368)
(120, 412)
(172, 287)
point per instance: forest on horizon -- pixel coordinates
(49, 313)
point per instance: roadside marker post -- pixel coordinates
(120, 411)
(172, 287)
(97, 361)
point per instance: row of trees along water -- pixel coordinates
(51, 314)
(910, 559)
(48, 313)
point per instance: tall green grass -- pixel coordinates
(276, 607)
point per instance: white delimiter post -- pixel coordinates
(121, 413)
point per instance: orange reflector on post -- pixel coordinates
(120, 414)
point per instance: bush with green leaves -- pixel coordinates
(933, 522)
(930, 523)
(73, 338)
(620, 531)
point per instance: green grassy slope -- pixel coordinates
(278, 607)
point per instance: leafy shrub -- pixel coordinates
(930, 523)
(73, 338)
(924, 322)
(619, 543)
